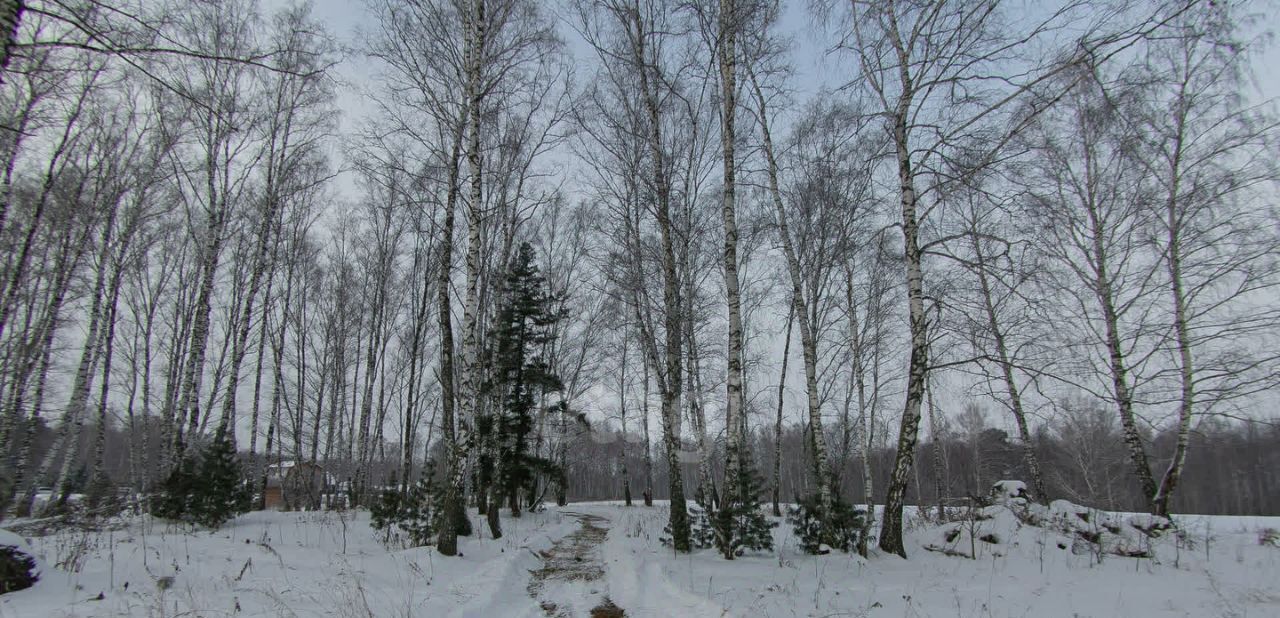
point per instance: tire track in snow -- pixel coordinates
(571, 580)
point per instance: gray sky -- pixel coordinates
(814, 70)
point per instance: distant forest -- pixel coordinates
(1236, 467)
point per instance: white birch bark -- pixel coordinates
(735, 449)
(823, 479)
(638, 32)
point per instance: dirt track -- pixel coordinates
(574, 560)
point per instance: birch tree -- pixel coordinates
(996, 311)
(295, 122)
(803, 311)
(730, 19)
(1205, 152)
(1091, 208)
(214, 180)
(629, 38)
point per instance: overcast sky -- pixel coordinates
(814, 68)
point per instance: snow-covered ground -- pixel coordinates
(331, 564)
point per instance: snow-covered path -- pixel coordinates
(572, 579)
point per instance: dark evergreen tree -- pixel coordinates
(18, 571)
(208, 493)
(702, 529)
(841, 529)
(101, 497)
(740, 524)
(221, 491)
(172, 498)
(521, 379)
(734, 526)
(411, 512)
(385, 511)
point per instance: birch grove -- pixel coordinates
(1047, 233)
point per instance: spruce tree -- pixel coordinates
(220, 491)
(410, 514)
(740, 524)
(172, 497)
(523, 330)
(820, 530)
(207, 492)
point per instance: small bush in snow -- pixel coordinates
(1009, 492)
(207, 493)
(17, 570)
(842, 528)
(740, 525)
(702, 531)
(406, 516)
(1269, 537)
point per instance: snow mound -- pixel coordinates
(981, 531)
(1096, 531)
(1005, 492)
(1269, 537)
(19, 568)
(994, 530)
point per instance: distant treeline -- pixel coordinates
(1236, 467)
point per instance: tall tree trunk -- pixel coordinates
(239, 346)
(917, 372)
(469, 388)
(413, 401)
(1121, 389)
(648, 443)
(735, 456)
(21, 429)
(777, 426)
(858, 345)
(17, 269)
(23, 507)
(939, 481)
(146, 456)
(259, 361)
(176, 353)
(670, 387)
(135, 449)
(98, 476)
(808, 340)
(868, 443)
(1182, 335)
(278, 152)
(1006, 373)
(376, 328)
(622, 414)
(447, 541)
(697, 414)
(24, 431)
(277, 385)
(189, 399)
(92, 353)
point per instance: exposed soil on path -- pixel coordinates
(574, 561)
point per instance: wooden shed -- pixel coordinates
(293, 485)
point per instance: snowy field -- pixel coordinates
(568, 561)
